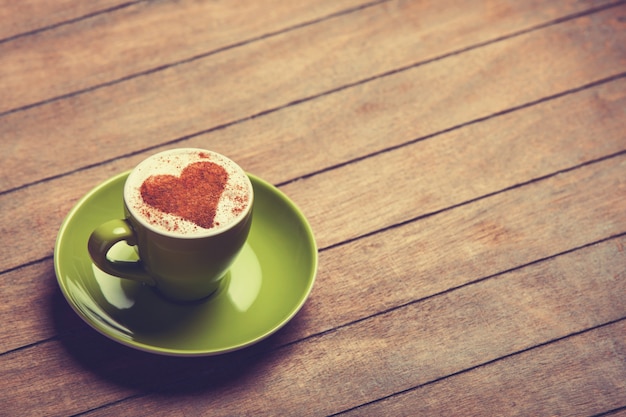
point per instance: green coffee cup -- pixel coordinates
(181, 260)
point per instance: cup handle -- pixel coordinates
(102, 240)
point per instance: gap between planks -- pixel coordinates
(350, 85)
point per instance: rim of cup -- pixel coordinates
(130, 187)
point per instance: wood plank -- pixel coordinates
(462, 245)
(139, 38)
(377, 357)
(25, 16)
(463, 164)
(492, 231)
(590, 113)
(581, 376)
(496, 289)
(30, 298)
(136, 115)
(50, 398)
(440, 182)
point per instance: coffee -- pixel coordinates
(188, 192)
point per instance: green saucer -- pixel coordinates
(268, 284)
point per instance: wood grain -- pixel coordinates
(597, 112)
(141, 37)
(462, 165)
(133, 116)
(30, 297)
(374, 358)
(499, 153)
(44, 219)
(578, 376)
(20, 18)
(457, 247)
(471, 161)
(491, 231)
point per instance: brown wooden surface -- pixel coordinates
(462, 164)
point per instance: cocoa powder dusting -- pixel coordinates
(194, 195)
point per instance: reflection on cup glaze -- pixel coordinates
(245, 279)
(112, 287)
(91, 309)
(243, 289)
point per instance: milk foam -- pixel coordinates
(234, 202)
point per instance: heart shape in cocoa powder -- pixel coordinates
(194, 195)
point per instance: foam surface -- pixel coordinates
(234, 202)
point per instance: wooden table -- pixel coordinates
(462, 164)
